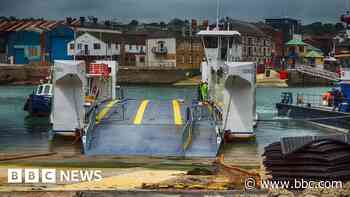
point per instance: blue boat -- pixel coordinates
(39, 102)
(331, 110)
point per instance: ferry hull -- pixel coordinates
(322, 117)
(230, 137)
(38, 105)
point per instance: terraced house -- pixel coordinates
(256, 45)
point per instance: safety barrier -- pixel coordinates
(187, 133)
(90, 121)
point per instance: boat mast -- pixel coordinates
(217, 14)
(218, 28)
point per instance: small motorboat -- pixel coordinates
(39, 102)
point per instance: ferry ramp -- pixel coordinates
(203, 134)
(204, 142)
(145, 128)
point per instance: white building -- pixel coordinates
(161, 51)
(88, 45)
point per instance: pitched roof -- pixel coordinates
(296, 42)
(218, 33)
(43, 25)
(28, 25)
(246, 28)
(105, 37)
(313, 54)
(161, 34)
(312, 48)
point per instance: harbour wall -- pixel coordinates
(149, 75)
(32, 74)
(22, 74)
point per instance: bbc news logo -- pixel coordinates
(52, 176)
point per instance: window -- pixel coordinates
(109, 45)
(250, 41)
(250, 52)
(97, 46)
(117, 46)
(137, 47)
(161, 44)
(183, 59)
(190, 59)
(142, 59)
(211, 42)
(71, 46)
(141, 49)
(47, 89)
(80, 46)
(130, 47)
(39, 90)
(33, 52)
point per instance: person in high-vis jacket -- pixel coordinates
(199, 91)
(204, 91)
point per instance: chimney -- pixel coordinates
(95, 20)
(108, 23)
(69, 20)
(205, 24)
(82, 20)
(194, 24)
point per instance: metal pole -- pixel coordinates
(75, 43)
(218, 14)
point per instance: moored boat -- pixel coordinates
(39, 102)
(330, 110)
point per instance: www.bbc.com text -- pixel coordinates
(252, 184)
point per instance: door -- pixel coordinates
(59, 49)
(86, 49)
(19, 57)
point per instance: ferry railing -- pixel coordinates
(318, 100)
(187, 132)
(309, 99)
(90, 121)
(120, 93)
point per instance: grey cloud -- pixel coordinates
(163, 10)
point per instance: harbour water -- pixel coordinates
(19, 133)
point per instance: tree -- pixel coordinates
(162, 24)
(339, 26)
(176, 22)
(134, 23)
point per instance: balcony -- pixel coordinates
(160, 50)
(83, 53)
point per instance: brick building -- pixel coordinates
(189, 53)
(256, 45)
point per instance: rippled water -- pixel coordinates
(22, 134)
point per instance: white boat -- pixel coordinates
(231, 83)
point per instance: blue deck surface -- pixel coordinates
(157, 135)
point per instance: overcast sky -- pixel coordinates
(162, 10)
